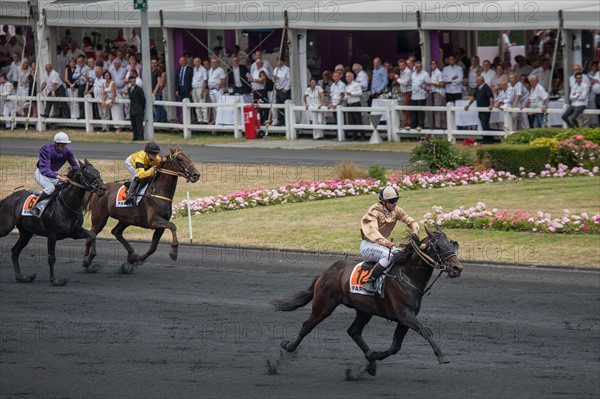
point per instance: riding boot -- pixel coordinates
(36, 211)
(378, 270)
(132, 190)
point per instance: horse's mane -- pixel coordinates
(407, 250)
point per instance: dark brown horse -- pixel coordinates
(408, 275)
(153, 212)
(62, 218)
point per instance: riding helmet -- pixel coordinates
(388, 193)
(152, 147)
(61, 138)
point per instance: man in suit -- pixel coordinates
(137, 108)
(237, 77)
(483, 97)
(183, 78)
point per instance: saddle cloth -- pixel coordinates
(30, 203)
(122, 194)
(359, 276)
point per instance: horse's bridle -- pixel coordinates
(184, 170)
(93, 187)
(440, 263)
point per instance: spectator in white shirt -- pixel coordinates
(353, 95)
(453, 76)
(579, 99)
(282, 79)
(6, 106)
(266, 64)
(419, 95)
(543, 74)
(134, 40)
(521, 67)
(215, 81)
(404, 67)
(538, 99)
(487, 72)
(55, 88)
(13, 71)
(436, 88)
(314, 100)
(199, 84)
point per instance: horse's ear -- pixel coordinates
(178, 148)
(429, 233)
(80, 163)
(170, 149)
(86, 161)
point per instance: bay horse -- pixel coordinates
(153, 212)
(406, 279)
(63, 218)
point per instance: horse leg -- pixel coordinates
(356, 328)
(98, 224)
(324, 303)
(90, 237)
(24, 237)
(117, 231)
(155, 239)
(411, 321)
(51, 260)
(160, 223)
(399, 335)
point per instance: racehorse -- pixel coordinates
(407, 277)
(153, 212)
(61, 219)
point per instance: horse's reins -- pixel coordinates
(170, 172)
(86, 187)
(429, 261)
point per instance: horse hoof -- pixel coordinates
(26, 279)
(371, 368)
(59, 282)
(173, 255)
(443, 360)
(132, 258)
(284, 345)
(272, 368)
(92, 268)
(126, 268)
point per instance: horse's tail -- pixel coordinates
(296, 301)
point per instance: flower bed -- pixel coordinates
(478, 217)
(306, 190)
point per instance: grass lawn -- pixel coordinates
(333, 225)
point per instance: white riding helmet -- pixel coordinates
(389, 194)
(61, 138)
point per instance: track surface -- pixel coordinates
(203, 327)
(213, 154)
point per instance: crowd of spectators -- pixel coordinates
(103, 71)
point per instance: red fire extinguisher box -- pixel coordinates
(251, 121)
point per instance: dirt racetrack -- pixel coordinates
(202, 327)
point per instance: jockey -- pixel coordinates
(141, 164)
(52, 157)
(376, 226)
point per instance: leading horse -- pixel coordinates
(153, 212)
(61, 219)
(407, 278)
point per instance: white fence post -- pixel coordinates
(189, 215)
(290, 117)
(40, 125)
(340, 123)
(88, 114)
(508, 124)
(239, 108)
(187, 118)
(390, 127)
(394, 121)
(450, 120)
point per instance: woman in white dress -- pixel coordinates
(23, 86)
(314, 99)
(110, 95)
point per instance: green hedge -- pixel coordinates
(528, 135)
(510, 158)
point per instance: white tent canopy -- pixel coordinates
(323, 14)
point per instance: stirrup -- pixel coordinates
(369, 286)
